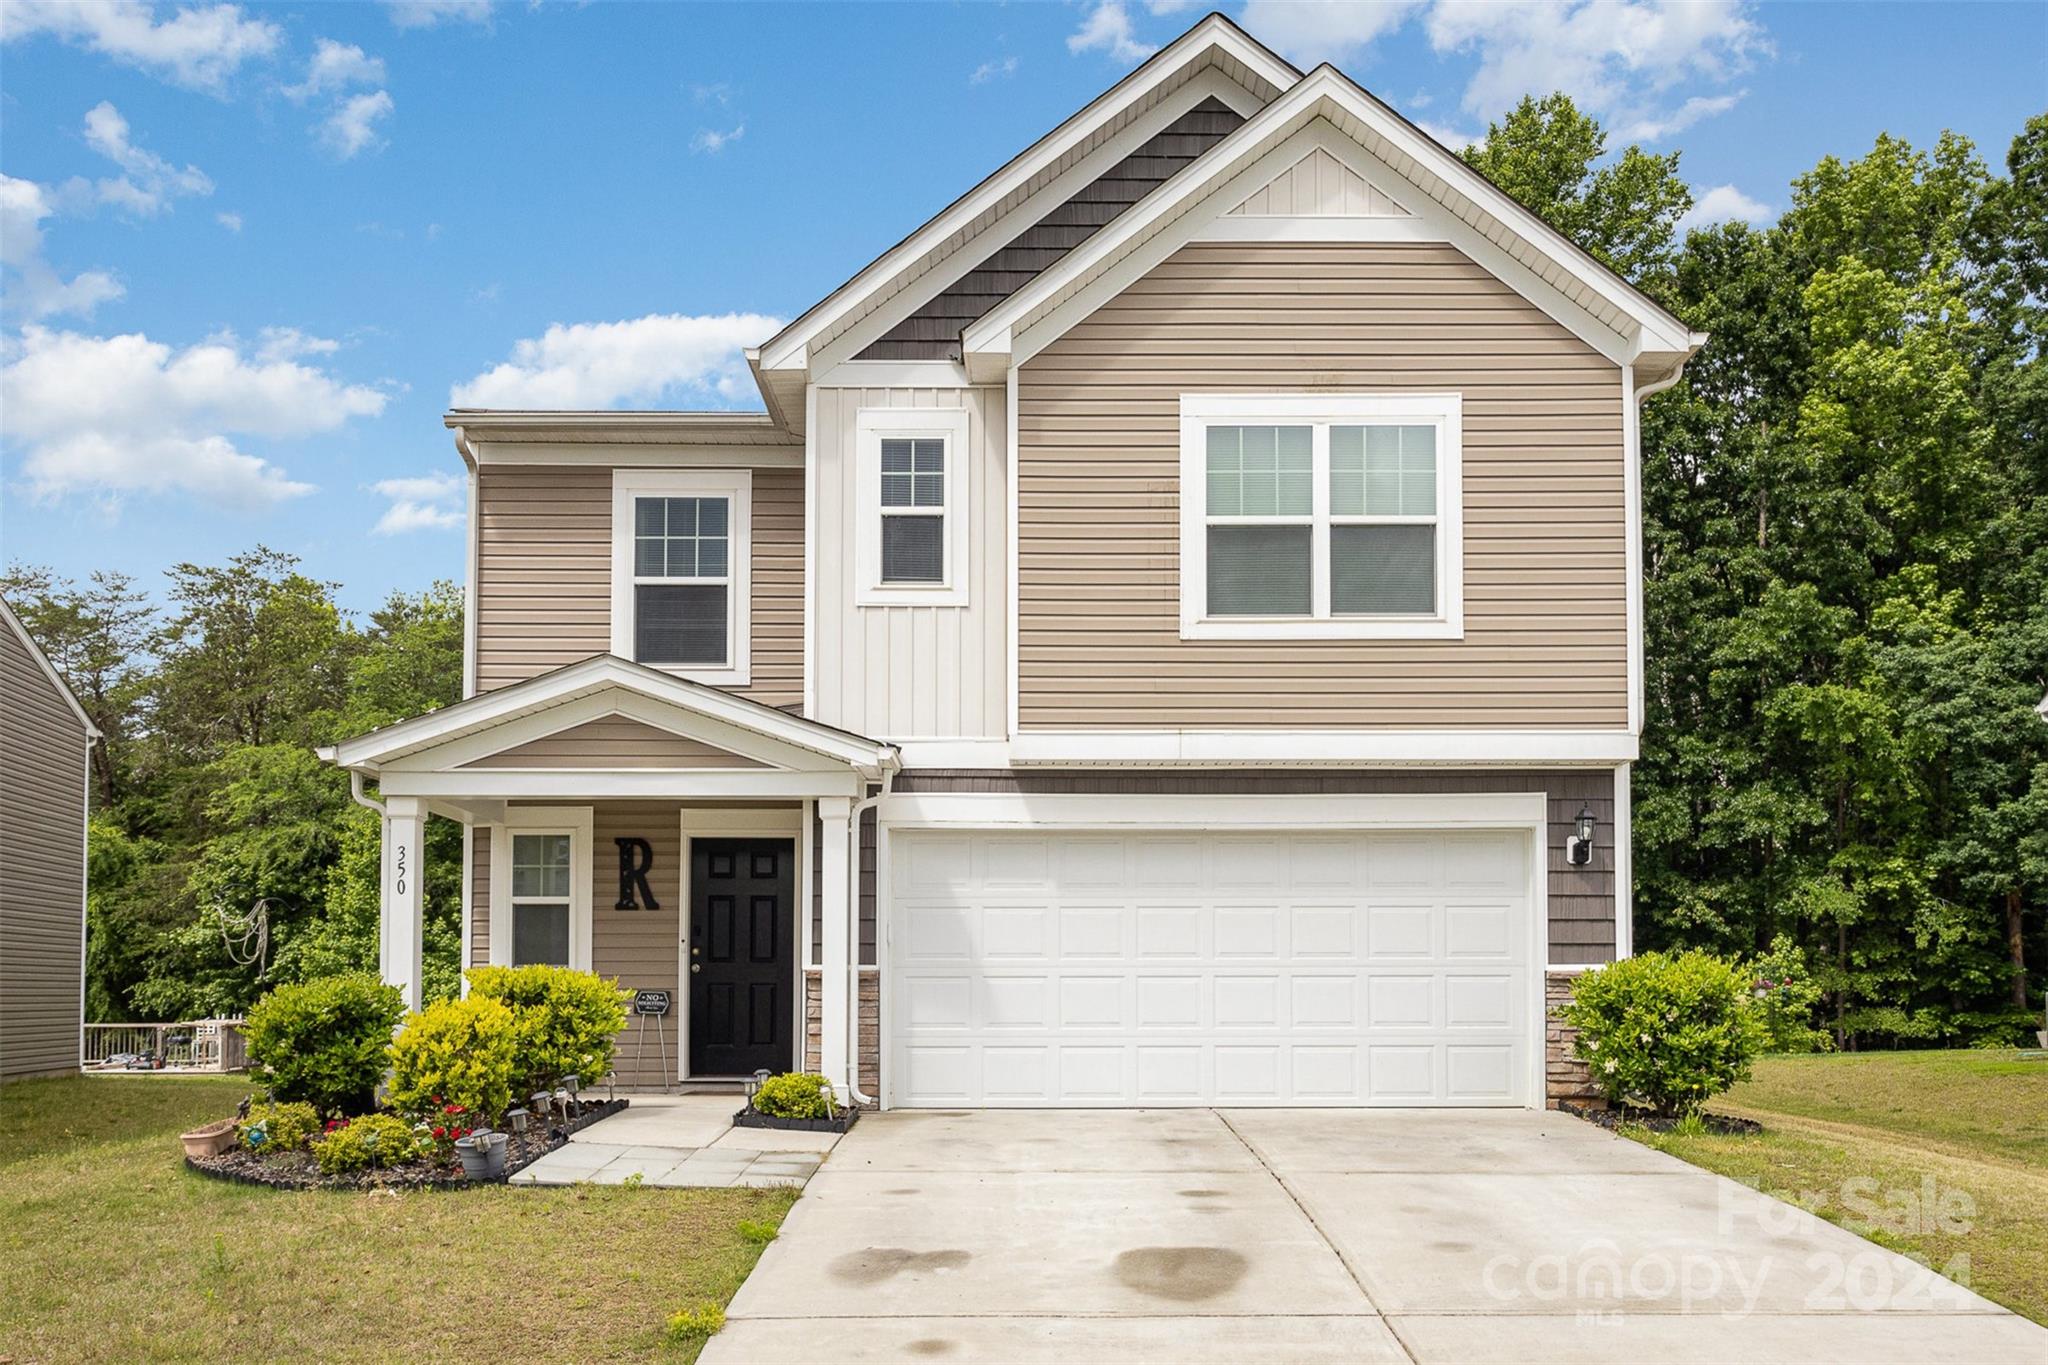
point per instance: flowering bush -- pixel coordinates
(565, 1022)
(278, 1127)
(1786, 997)
(1666, 1033)
(375, 1140)
(456, 1052)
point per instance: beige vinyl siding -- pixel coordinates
(912, 672)
(614, 742)
(543, 579)
(639, 947)
(42, 867)
(1546, 630)
(479, 895)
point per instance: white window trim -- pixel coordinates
(577, 823)
(1198, 411)
(871, 426)
(737, 485)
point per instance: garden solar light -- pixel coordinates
(517, 1118)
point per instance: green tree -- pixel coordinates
(96, 636)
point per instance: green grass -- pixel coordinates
(1973, 1122)
(110, 1250)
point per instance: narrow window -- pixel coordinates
(1261, 520)
(913, 503)
(680, 571)
(1383, 520)
(540, 899)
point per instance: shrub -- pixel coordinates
(324, 1043)
(278, 1127)
(374, 1140)
(1666, 1033)
(694, 1324)
(794, 1095)
(1786, 996)
(456, 1052)
(566, 1022)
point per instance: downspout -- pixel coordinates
(367, 802)
(357, 795)
(860, 808)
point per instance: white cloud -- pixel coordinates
(712, 141)
(353, 124)
(149, 182)
(36, 290)
(1457, 139)
(289, 343)
(601, 364)
(1655, 128)
(427, 13)
(337, 66)
(430, 502)
(718, 92)
(198, 47)
(1723, 204)
(124, 414)
(989, 70)
(1108, 27)
(1311, 31)
(231, 221)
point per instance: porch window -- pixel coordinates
(681, 550)
(540, 899)
(1313, 516)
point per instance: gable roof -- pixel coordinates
(35, 651)
(602, 673)
(1494, 219)
(1214, 43)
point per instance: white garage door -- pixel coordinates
(1073, 969)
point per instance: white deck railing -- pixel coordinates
(207, 1045)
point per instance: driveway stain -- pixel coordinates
(931, 1346)
(1201, 1194)
(1183, 1274)
(1450, 1246)
(872, 1265)
(909, 1189)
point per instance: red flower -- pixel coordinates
(440, 1132)
(452, 1109)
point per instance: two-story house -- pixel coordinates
(1174, 636)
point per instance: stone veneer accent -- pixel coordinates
(1565, 1076)
(868, 1047)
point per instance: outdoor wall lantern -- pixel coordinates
(1578, 848)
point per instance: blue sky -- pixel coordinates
(252, 253)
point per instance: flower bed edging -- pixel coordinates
(239, 1167)
(751, 1117)
(1612, 1119)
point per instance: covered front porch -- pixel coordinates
(695, 845)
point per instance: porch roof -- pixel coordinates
(479, 747)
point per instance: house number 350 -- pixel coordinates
(398, 870)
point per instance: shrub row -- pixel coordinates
(323, 1047)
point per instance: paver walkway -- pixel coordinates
(681, 1141)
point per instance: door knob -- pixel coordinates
(696, 967)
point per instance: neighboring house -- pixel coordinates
(1156, 647)
(45, 770)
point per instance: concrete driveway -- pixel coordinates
(1303, 1235)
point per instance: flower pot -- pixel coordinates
(211, 1140)
(483, 1156)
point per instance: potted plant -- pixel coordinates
(210, 1140)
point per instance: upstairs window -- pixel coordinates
(1309, 516)
(680, 579)
(911, 467)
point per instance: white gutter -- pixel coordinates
(860, 808)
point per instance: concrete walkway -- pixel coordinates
(681, 1141)
(1290, 1235)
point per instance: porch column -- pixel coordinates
(402, 909)
(835, 958)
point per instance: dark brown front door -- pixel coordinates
(741, 955)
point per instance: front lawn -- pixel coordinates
(110, 1250)
(1969, 1122)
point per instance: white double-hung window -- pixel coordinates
(540, 888)
(1321, 516)
(911, 467)
(681, 571)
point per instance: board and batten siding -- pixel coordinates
(544, 573)
(42, 868)
(912, 672)
(1545, 525)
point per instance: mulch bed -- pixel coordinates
(751, 1117)
(299, 1171)
(1611, 1119)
